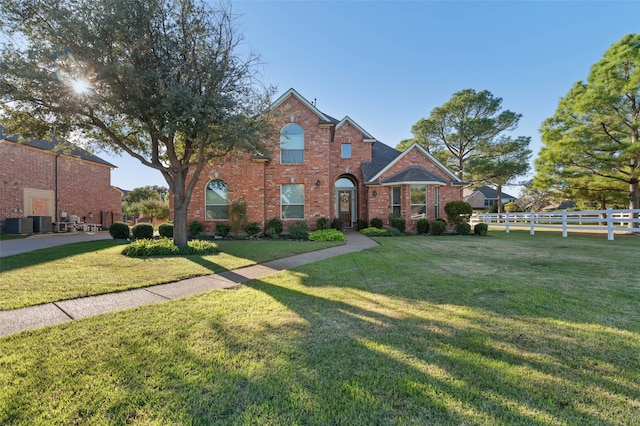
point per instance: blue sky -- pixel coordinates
(387, 64)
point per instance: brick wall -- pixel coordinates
(82, 186)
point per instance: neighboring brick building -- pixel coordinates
(44, 178)
(484, 198)
(323, 167)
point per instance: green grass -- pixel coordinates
(85, 269)
(504, 329)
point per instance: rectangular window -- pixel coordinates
(292, 201)
(396, 204)
(292, 156)
(346, 150)
(436, 202)
(418, 202)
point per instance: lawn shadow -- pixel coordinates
(448, 362)
(51, 254)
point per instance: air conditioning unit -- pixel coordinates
(19, 225)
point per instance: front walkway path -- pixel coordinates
(16, 320)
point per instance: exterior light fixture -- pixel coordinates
(318, 182)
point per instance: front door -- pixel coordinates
(345, 207)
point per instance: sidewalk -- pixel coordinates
(31, 317)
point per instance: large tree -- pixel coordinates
(500, 163)
(591, 144)
(462, 127)
(162, 80)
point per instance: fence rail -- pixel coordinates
(609, 220)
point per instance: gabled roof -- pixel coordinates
(490, 193)
(453, 178)
(62, 147)
(381, 155)
(413, 175)
(324, 118)
(366, 136)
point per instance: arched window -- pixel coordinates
(217, 200)
(292, 144)
(344, 183)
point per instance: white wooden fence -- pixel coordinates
(609, 220)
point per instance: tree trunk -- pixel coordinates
(499, 190)
(634, 201)
(180, 204)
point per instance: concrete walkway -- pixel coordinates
(14, 321)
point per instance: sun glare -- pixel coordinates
(80, 87)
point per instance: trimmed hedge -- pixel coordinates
(223, 229)
(376, 222)
(119, 231)
(463, 228)
(142, 231)
(374, 232)
(195, 228)
(323, 223)
(252, 228)
(423, 226)
(481, 229)
(438, 227)
(165, 230)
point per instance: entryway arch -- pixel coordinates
(346, 206)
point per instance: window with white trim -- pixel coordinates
(292, 201)
(418, 202)
(436, 197)
(396, 203)
(292, 144)
(217, 200)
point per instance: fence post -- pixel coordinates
(532, 221)
(506, 221)
(610, 224)
(564, 223)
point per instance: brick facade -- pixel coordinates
(258, 182)
(38, 181)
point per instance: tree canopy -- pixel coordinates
(463, 126)
(162, 80)
(591, 145)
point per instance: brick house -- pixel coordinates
(484, 197)
(45, 178)
(323, 167)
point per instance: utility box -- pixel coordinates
(42, 223)
(19, 225)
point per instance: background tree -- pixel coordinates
(500, 162)
(591, 144)
(535, 199)
(467, 123)
(161, 80)
(148, 201)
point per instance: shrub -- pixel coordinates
(195, 228)
(481, 229)
(337, 224)
(362, 224)
(142, 231)
(252, 228)
(222, 229)
(374, 232)
(238, 215)
(323, 223)
(299, 231)
(376, 222)
(393, 232)
(463, 228)
(166, 247)
(276, 224)
(423, 226)
(119, 231)
(438, 227)
(272, 232)
(165, 230)
(398, 222)
(327, 235)
(457, 211)
(511, 207)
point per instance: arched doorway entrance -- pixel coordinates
(346, 201)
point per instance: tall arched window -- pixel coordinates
(217, 200)
(292, 144)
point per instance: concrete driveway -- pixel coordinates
(40, 241)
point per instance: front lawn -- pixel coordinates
(503, 329)
(97, 267)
